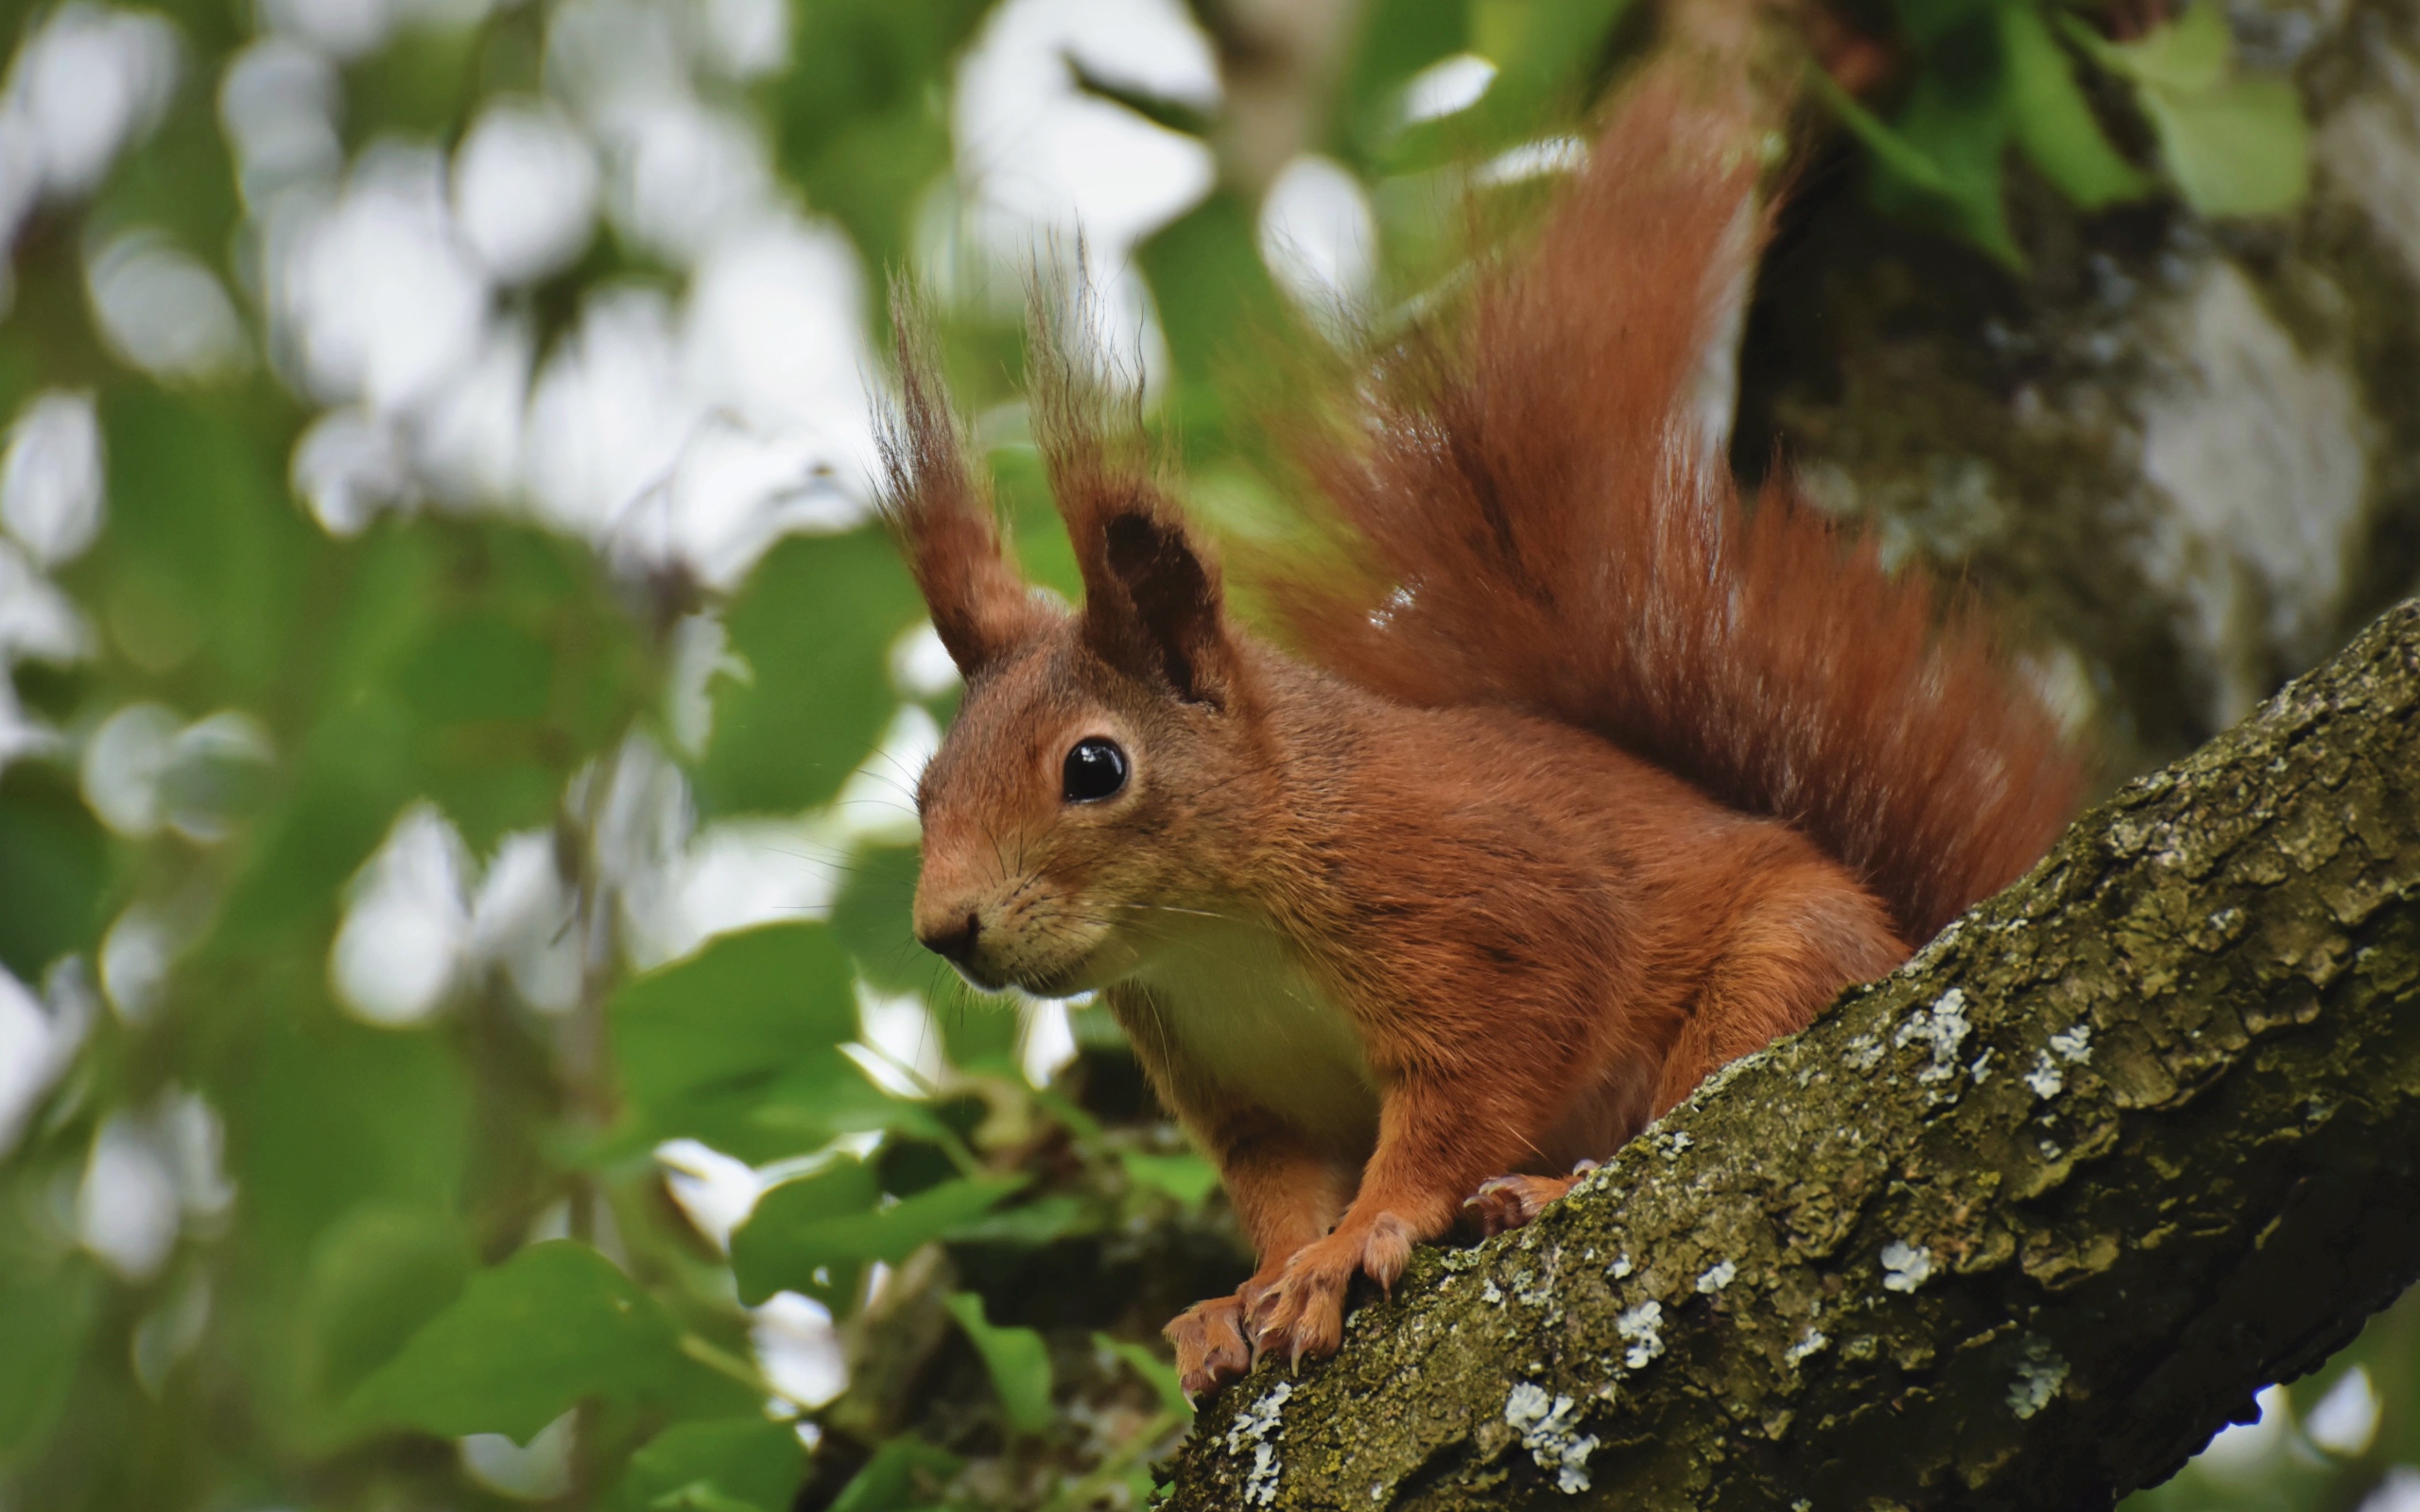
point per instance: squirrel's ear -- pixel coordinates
(942, 515)
(1151, 595)
(1152, 604)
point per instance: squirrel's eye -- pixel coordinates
(1096, 769)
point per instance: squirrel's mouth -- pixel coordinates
(1061, 978)
(1045, 964)
(1059, 984)
(977, 977)
(994, 976)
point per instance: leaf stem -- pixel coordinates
(722, 1362)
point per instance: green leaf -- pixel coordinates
(1042, 1221)
(1017, 1361)
(849, 1105)
(746, 1004)
(755, 1017)
(804, 1108)
(1548, 53)
(1398, 39)
(208, 562)
(351, 783)
(374, 1281)
(523, 668)
(794, 1231)
(978, 1030)
(2236, 146)
(1079, 1122)
(1044, 556)
(1161, 1375)
(743, 1465)
(872, 918)
(844, 1188)
(330, 1116)
(1890, 151)
(1186, 1177)
(179, 180)
(418, 83)
(474, 663)
(2241, 150)
(1214, 293)
(53, 868)
(555, 1325)
(2192, 53)
(814, 623)
(701, 1496)
(480, 667)
(1553, 47)
(48, 1305)
(862, 116)
(2056, 127)
(1960, 110)
(906, 1474)
(1928, 23)
(1939, 162)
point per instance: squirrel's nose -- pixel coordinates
(953, 942)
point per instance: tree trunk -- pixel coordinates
(2188, 451)
(2019, 1227)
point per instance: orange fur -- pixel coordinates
(1599, 784)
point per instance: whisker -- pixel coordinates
(1172, 908)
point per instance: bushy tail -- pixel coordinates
(1547, 528)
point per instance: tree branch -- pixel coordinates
(2019, 1227)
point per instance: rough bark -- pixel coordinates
(2019, 1227)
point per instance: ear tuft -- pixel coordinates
(943, 513)
(1151, 595)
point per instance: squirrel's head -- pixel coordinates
(1097, 782)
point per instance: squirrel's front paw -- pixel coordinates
(1303, 1314)
(1210, 1348)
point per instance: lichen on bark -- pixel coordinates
(2018, 1227)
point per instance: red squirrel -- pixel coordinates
(1589, 781)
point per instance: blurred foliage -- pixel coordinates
(390, 1243)
(1993, 78)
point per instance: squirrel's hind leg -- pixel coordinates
(1807, 933)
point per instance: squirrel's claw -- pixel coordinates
(1303, 1312)
(1210, 1347)
(1503, 1203)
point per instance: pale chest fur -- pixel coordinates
(1237, 1007)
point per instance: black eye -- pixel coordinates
(1096, 769)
